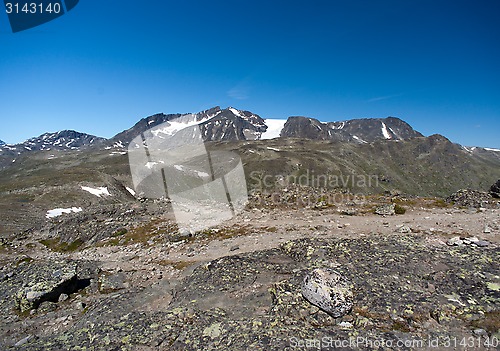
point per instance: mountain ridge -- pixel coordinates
(216, 124)
(231, 124)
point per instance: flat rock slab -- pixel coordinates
(45, 282)
(110, 283)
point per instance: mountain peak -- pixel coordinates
(2, 142)
(61, 140)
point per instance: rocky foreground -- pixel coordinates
(425, 279)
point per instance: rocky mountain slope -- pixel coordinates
(215, 124)
(415, 278)
(432, 166)
(365, 130)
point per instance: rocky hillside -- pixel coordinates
(425, 166)
(423, 277)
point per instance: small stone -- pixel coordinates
(328, 290)
(487, 230)
(350, 212)
(234, 248)
(80, 305)
(63, 297)
(386, 210)
(213, 331)
(480, 332)
(345, 325)
(455, 241)
(47, 306)
(23, 341)
(482, 243)
(404, 229)
(471, 240)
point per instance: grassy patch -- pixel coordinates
(58, 246)
(224, 233)
(119, 232)
(398, 209)
(179, 265)
(140, 234)
(24, 260)
(440, 203)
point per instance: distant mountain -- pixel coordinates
(366, 130)
(311, 128)
(2, 142)
(215, 124)
(63, 140)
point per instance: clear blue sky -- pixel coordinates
(107, 63)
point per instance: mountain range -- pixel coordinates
(228, 124)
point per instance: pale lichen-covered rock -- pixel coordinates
(386, 210)
(46, 283)
(328, 290)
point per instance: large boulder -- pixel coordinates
(495, 189)
(46, 283)
(328, 290)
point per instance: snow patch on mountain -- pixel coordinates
(469, 149)
(359, 139)
(171, 127)
(59, 211)
(97, 191)
(236, 112)
(274, 127)
(385, 132)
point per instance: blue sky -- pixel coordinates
(106, 64)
